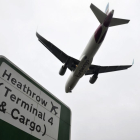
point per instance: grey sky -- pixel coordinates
(107, 110)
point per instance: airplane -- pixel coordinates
(83, 66)
(53, 108)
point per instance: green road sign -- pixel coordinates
(27, 110)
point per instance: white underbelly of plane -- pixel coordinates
(82, 67)
(85, 62)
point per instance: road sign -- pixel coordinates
(27, 110)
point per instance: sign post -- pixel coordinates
(27, 110)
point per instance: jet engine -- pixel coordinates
(62, 70)
(93, 78)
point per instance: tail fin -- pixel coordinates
(98, 13)
(101, 16)
(118, 21)
(107, 9)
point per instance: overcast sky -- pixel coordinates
(106, 110)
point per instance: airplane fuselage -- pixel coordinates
(89, 53)
(83, 66)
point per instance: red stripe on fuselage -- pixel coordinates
(98, 33)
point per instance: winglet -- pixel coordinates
(133, 62)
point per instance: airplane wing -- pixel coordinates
(64, 58)
(102, 69)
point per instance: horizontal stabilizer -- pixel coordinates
(118, 21)
(98, 13)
